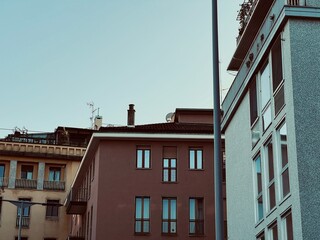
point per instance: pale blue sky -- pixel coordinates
(55, 56)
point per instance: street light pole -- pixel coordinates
(217, 128)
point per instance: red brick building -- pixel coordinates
(147, 181)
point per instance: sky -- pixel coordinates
(58, 56)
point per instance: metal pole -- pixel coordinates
(20, 221)
(217, 128)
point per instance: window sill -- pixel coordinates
(169, 234)
(285, 199)
(196, 170)
(271, 211)
(258, 223)
(143, 168)
(197, 235)
(169, 182)
(142, 234)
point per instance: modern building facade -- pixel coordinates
(271, 121)
(38, 168)
(150, 181)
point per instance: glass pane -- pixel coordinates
(29, 175)
(192, 213)
(258, 172)
(274, 232)
(173, 163)
(260, 208)
(265, 86)
(255, 134)
(146, 226)
(165, 163)
(272, 197)
(285, 183)
(270, 161)
(279, 100)
(147, 162)
(138, 208)
(57, 177)
(192, 227)
(165, 175)
(199, 159)
(266, 118)
(146, 208)
(139, 158)
(173, 175)
(138, 226)
(284, 154)
(289, 227)
(1, 171)
(192, 159)
(173, 209)
(165, 209)
(253, 101)
(165, 227)
(173, 227)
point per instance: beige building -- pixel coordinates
(38, 168)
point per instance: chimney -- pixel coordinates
(97, 122)
(131, 112)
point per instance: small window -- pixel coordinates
(169, 172)
(253, 101)
(25, 216)
(52, 209)
(169, 216)
(195, 159)
(284, 162)
(55, 174)
(271, 180)
(273, 231)
(259, 195)
(142, 215)
(288, 227)
(261, 236)
(196, 216)
(143, 159)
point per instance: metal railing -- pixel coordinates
(294, 2)
(26, 183)
(4, 182)
(77, 195)
(54, 185)
(25, 221)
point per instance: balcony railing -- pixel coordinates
(25, 221)
(54, 185)
(4, 182)
(26, 183)
(77, 201)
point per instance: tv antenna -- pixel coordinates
(93, 110)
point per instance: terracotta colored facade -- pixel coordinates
(139, 182)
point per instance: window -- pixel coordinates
(195, 159)
(169, 215)
(2, 176)
(253, 101)
(265, 95)
(25, 220)
(271, 181)
(26, 172)
(54, 174)
(288, 228)
(142, 215)
(196, 216)
(283, 156)
(52, 208)
(273, 231)
(261, 236)
(143, 158)
(169, 170)
(0, 206)
(258, 181)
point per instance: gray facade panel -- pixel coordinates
(305, 44)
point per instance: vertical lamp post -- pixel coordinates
(217, 128)
(23, 204)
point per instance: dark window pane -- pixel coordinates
(270, 161)
(289, 227)
(285, 183)
(253, 101)
(272, 196)
(279, 100)
(260, 208)
(276, 63)
(2, 171)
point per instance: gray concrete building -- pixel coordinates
(271, 122)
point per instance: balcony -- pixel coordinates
(54, 185)
(25, 221)
(26, 183)
(3, 182)
(77, 201)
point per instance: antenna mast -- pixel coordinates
(91, 106)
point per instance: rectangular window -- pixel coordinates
(196, 216)
(142, 215)
(265, 88)
(3, 180)
(283, 156)
(273, 231)
(54, 174)
(169, 215)
(276, 55)
(253, 101)
(169, 170)
(258, 181)
(52, 208)
(288, 227)
(195, 159)
(27, 172)
(0, 206)
(25, 216)
(271, 181)
(143, 158)
(261, 236)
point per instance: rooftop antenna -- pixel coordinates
(93, 110)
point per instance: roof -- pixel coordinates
(170, 127)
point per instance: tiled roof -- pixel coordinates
(169, 127)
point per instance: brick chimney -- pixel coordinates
(131, 113)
